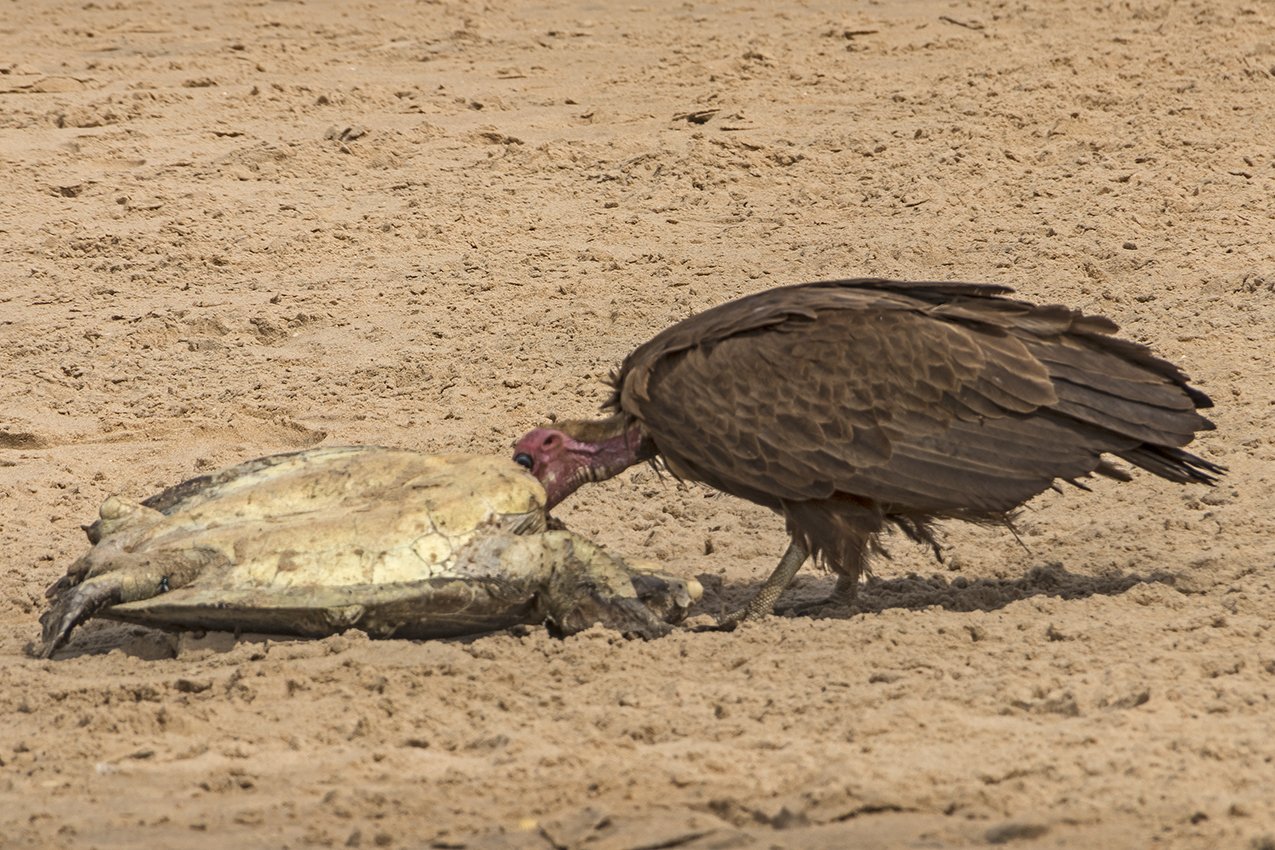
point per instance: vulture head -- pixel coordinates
(572, 453)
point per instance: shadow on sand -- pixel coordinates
(916, 592)
(910, 592)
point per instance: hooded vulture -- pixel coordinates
(846, 405)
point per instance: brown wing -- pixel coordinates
(936, 397)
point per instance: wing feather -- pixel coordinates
(933, 397)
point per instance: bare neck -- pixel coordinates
(608, 446)
(615, 454)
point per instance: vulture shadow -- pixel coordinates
(916, 592)
(911, 592)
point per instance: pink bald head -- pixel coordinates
(555, 459)
(563, 462)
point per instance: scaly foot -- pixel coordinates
(763, 604)
(836, 602)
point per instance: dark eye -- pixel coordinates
(524, 459)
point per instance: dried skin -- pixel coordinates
(393, 542)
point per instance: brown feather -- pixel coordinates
(849, 404)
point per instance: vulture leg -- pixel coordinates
(844, 593)
(763, 604)
(841, 597)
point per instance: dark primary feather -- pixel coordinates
(846, 404)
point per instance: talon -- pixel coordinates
(750, 613)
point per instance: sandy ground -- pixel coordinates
(236, 228)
